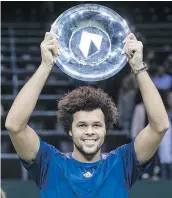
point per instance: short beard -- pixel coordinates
(89, 156)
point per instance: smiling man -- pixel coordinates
(86, 114)
(88, 132)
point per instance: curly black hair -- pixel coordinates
(86, 98)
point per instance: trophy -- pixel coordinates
(91, 41)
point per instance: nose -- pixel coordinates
(89, 131)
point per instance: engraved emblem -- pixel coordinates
(90, 44)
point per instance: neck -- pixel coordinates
(77, 155)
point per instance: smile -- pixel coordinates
(89, 141)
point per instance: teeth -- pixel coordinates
(89, 141)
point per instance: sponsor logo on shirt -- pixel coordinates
(87, 174)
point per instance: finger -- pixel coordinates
(55, 36)
(132, 49)
(127, 51)
(57, 47)
(131, 36)
(49, 47)
(56, 51)
(49, 36)
(51, 42)
(46, 34)
(132, 46)
(53, 49)
(55, 43)
(129, 42)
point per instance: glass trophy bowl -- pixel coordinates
(91, 41)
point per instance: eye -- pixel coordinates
(97, 125)
(82, 125)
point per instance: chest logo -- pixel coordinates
(87, 174)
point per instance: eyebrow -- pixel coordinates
(86, 122)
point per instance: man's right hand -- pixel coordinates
(49, 49)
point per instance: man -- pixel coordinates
(86, 114)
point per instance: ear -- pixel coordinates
(70, 133)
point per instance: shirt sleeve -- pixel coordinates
(39, 167)
(132, 168)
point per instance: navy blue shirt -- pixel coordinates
(59, 175)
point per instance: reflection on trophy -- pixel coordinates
(90, 38)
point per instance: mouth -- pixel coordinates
(89, 141)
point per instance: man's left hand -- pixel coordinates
(134, 50)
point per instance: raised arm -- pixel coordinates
(148, 140)
(24, 139)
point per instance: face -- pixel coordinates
(88, 131)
